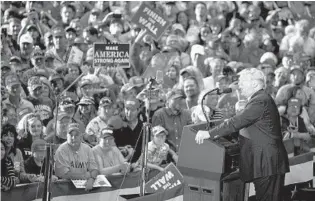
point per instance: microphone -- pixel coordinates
(224, 91)
(219, 91)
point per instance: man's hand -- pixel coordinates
(175, 158)
(54, 178)
(161, 169)
(124, 168)
(201, 136)
(89, 184)
(140, 35)
(87, 175)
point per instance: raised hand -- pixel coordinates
(141, 35)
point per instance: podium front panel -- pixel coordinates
(200, 160)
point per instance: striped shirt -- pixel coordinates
(8, 180)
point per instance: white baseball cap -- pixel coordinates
(26, 38)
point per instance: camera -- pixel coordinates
(4, 32)
(117, 16)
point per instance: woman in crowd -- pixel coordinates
(7, 170)
(9, 137)
(182, 18)
(30, 128)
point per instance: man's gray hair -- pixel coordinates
(253, 74)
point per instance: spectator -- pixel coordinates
(26, 46)
(251, 52)
(14, 102)
(57, 83)
(300, 36)
(182, 18)
(187, 72)
(173, 118)
(60, 46)
(108, 157)
(47, 90)
(38, 61)
(13, 32)
(67, 13)
(75, 23)
(297, 79)
(74, 159)
(7, 170)
(216, 66)
(129, 134)
(293, 127)
(158, 149)
(56, 131)
(70, 34)
(93, 129)
(29, 129)
(35, 165)
(172, 75)
(191, 91)
(43, 105)
(90, 36)
(281, 77)
(9, 137)
(86, 110)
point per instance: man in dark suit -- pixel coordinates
(263, 160)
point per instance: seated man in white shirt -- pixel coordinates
(108, 157)
(74, 159)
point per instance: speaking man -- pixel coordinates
(263, 158)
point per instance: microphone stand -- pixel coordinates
(49, 157)
(203, 109)
(145, 139)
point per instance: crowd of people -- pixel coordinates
(95, 115)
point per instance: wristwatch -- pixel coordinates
(93, 177)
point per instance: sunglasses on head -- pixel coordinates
(105, 101)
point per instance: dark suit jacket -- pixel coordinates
(264, 153)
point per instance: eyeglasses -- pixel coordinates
(105, 102)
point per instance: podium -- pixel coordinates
(204, 165)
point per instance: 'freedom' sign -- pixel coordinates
(151, 19)
(111, 55)
(167, 179)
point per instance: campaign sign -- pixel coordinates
(75, 56)
(151, 19)
(167, 179)
(111, 55)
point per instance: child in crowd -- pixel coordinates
(157, 150)
(35, 165)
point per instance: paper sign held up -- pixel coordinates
(75, 56)
(152, 20)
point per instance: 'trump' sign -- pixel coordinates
(152, 20)
(111, 55)
(167, 179)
